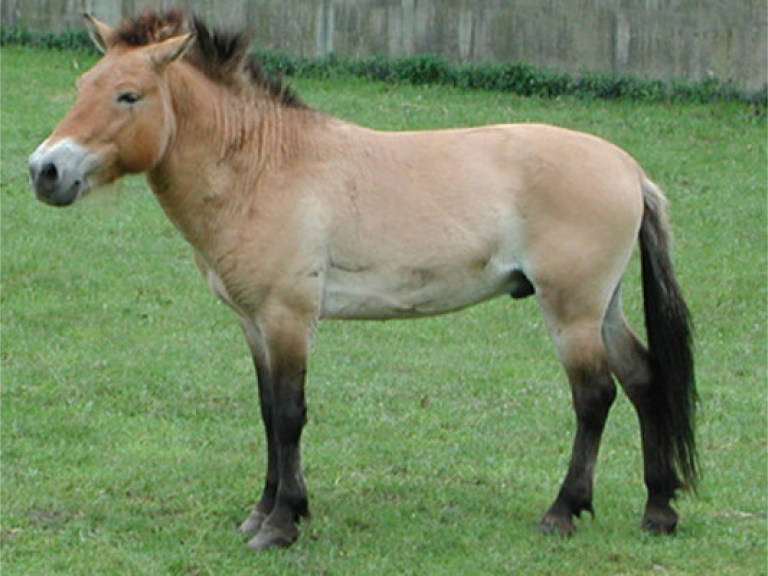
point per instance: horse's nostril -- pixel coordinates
(49, 172)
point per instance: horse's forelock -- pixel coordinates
(150, 27)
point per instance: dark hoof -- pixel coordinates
(557, 525)
(658, 520)
(269, 537)
(252, 524)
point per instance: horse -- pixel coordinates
(296, 216)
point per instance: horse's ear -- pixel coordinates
(165, 52)
(101, 34)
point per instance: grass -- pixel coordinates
(131, 442)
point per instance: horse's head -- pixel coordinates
(121, 122)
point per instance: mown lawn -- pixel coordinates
(131, 441)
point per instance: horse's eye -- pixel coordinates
(128, 97)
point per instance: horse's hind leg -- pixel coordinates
(628, 359)
(579, 346)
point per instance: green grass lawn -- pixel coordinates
(131, 437)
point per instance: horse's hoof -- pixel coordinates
(252, 524)
(658, 520)
(269, 537)
(556, 525)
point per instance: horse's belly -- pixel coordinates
(411, 292)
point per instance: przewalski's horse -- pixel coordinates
(296, 216)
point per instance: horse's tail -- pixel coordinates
(669, 331)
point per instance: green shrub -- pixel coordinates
(68, 40)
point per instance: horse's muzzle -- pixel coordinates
(58, 173)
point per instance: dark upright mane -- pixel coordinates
(222, 56)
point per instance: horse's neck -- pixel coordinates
(223, 144)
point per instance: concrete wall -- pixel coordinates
(690, 39)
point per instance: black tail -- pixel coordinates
(669, 330)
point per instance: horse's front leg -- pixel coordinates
(259, 352)
(281, 384)
(266, 503)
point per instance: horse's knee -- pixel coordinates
(289, 420)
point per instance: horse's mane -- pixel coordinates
(221, 55)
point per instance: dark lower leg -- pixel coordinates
(291, 498)
(288, 495)
(660, 478)
(266, 503)
(592, 398)
(629, 361)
